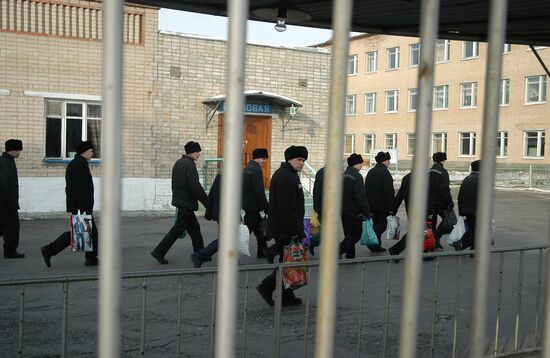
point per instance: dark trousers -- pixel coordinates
(380, 223)
(468, 239)
(185, 221)
(269, 284)
(353, 227)
(9, 229)
(439, 230)
(64, 240)
(399, 246)
(252, 220)
(209, 250)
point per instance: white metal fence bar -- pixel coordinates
(434, 306)
(65, 319)
(21, 320)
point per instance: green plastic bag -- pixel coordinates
(368, 236)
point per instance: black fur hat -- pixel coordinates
(13, 144)
(355, 159)
(295, 152)
(382, 156)
(439, 157)
(84, 146)
(259, 153)
(192, 147)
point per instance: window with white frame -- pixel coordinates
(439, 142)
(534, 142)
(504, 93)
(393, 58)
(502, 144)
(411, 138)
(507, 48)
(467, 143)
(351, 104)
(470, 49)
(390, 141)
(349, 143)
(442, 50)
(352, 65)
(414, 54)
(535, 89)
(370, 103)
(370, 142)
(468, 95)
(68, 122)
(391, 101)
(441, 97)
(413, 98)
(372, 61)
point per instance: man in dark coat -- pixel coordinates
(318, 192)
(9, 199)
(187, 191)
(254, 199)
(355, 206)
(440, 195)
(467, 206)
(286, 216)
(79, 193)
(380, 193)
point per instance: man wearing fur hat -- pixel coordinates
(254, 199)
(355, 206)
(187, 191)
(79, 191)
(9, 199)
(380, 193)
(286, 216)
(467, 206)
(440, 194)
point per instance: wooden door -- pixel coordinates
(256, 134)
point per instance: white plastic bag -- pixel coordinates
(244, 240)
(393, 228)
(458, 231)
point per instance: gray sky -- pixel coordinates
(257, 32)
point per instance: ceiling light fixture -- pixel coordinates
(281, 15)
(281, 20)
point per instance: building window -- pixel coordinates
(507, 48)
(414, 50)
(468, 95)
(413, 97)
(352, 65)
(370, 142)
(351, 104)
(70, 122)
(393, 58)
(442, 50)
(390, 141)
(502, 144)
(439, 142)
(410, 143)
(467, 144)
(441, 97)
(534, 144)
(391, 101)
(504, 92)
(535, 89)
(470, 49)
(372, 61)
(349, 144)
(370, 103)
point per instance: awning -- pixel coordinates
(273, 97)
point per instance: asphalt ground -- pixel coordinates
(369, 295)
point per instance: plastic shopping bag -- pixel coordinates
(81, 232)
(294, 277)
(429, 239)
(393, 229)
(315, 224)
(244, 240)
(449, 220)
(368, 236)
(458, 231)
(307, 232)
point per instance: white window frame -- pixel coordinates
(542, 89)
(393, 138)
(413, 92)
(504, 92)
(446, 45)
(414, 54)
(410, 137)
(475, 49)
(395, 95)
(541, 144)
(502, 144)
(468, 90)
(443, 142)
(471, 152)
(374, 60)
(367, 109)
(372, 138)
(352, 137)
(445, 92)
(351, 68)
(506, 49)
(392, 52)
(351, 105)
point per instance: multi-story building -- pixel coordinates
(382, 100)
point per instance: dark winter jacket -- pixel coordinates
(379, 186)
(253, 188)
(186, 188)
(318, 191)
(440, 193)
(467, 195)
(286, 204)
(403, 195)
(79, 186)
(9, 183)
(354, 197)
(213, 206)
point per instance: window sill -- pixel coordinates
(440, 109)
(392, 69)
(466, 155)
(369, 113)
(468, 107)
(390, 112)
(469, 58)
(534, 103)
(533, 158)
(67, 161)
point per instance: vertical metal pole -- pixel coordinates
(226, 312)
(387, 308)
(499, 303)
(111, 163)
(277, 313)
(306, 328)
(143, 316)
(21, 321)
(497, 30)
(64, 321)
(434, 306)
(518, 300)
(530, 176)
(361, 299)
(419, 183)
(457, 305)
(178, 342)
(537, 306)
(245, 311)
(213, 331)
(332, 199)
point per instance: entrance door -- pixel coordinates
(256, 134)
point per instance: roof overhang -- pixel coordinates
(271, 97)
